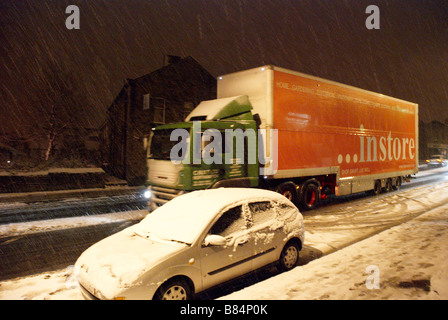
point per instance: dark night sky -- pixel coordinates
(406, 58)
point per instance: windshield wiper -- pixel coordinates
(179, 241)
(141, 234)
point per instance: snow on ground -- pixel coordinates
(408, 261)
(55, 285)
(411, 258)
(59, 284)
(14, 229)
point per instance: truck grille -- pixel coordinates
(160, 195)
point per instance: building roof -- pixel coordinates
(168, 77)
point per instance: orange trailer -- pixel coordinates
(328, 138)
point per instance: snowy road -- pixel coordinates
(69, 206)
(336, 226)
(32, 247)
(328, 229)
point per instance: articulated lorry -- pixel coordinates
(305, 137)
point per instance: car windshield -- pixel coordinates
(177, 221)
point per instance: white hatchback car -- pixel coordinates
(195, 241)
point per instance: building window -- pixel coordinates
(157, 105)
(158, 108)
(146, 101)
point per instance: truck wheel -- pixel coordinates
(310, 196)
(289, 191)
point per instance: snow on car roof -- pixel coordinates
(183, 218)
(207, 202)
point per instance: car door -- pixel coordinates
(222, 263)
(267, 232)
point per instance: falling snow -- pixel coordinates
(54, 80)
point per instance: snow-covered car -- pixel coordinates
(437, 161)
(192, 243)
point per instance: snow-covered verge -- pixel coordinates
(55, 285)
(408, 261)
(59, 284)
(20, 228)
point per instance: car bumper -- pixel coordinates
(86, 294)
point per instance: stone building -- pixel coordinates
(163, 96)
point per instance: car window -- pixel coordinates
(231, 221)
(262, 211)
(284, 206)
(286, 212)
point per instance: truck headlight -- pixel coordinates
(147, 194)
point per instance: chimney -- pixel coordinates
(169, 59)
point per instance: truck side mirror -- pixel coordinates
(257, 120)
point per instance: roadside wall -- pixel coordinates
(55, 179)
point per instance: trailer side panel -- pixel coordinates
(326, 127)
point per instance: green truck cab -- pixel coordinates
(215, 147)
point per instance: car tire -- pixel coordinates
(175, 289)
(289, 258)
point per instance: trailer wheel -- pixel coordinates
(377, 187)
(289, 191)
(310, 196)
(389, 185)
(397, 184)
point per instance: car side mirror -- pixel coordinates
(214, 240)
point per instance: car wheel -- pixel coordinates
(176, 289)
(289, 256)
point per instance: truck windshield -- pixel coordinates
(161, 145)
